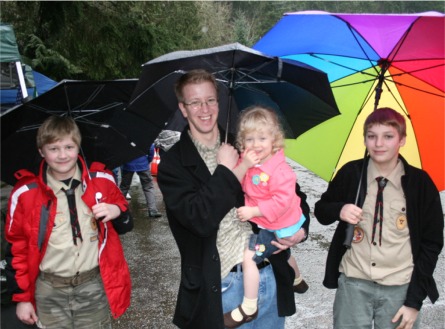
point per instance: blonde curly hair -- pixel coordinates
(258, 118)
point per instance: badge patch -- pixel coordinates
(401, 222)
(359, 234)
(93, 224)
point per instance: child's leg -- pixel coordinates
(251, 282)
(300, 286)
(293, 263)
(251, 275)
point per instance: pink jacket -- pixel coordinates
(271, 187)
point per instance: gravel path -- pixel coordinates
(154, 263)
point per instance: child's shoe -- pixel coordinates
(301, 287)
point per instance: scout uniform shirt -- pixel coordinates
(390, 263)
(62, 257)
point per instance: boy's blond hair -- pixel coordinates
(55, 128)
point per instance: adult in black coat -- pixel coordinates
(197, 201)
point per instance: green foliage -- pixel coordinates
(49, 61)
(112, 39)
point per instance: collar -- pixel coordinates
(203, 148)
(57, 185)
(393, 177)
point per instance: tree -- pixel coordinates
(112, 39)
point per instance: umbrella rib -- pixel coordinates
(405, 35)
(153, 84)
(418, 70)
(341, 65)
(355, 37)
(92, 96)
(416, 89)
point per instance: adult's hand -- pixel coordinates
(26, 313)
(227, 156)
(286, 243)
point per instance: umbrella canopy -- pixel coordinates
(300, 94)
(96, 106)
(372, 60)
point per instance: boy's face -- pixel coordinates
(61, 157)
(383, 143)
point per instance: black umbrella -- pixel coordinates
(108, 133)
(300, 94)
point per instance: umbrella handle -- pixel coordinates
(349, 234)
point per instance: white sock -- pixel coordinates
(298, 280)
(249, 307)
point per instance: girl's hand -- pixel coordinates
(250, 158)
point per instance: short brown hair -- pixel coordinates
(388, 117)
(55, 128)
(256, 117)
(193, 76)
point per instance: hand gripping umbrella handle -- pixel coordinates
(349, 234)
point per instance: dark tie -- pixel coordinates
(71, 197)
(378, 212)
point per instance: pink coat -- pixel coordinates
(271, 187)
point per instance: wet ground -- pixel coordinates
(154, 261)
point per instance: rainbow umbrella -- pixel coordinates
(372, 60)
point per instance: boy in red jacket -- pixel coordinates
(62, 227)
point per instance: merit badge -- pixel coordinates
(93, 224)
(401, 222)
(359, 234)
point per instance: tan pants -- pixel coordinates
(82, 307)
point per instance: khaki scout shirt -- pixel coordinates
(62, 257)
(392, 262)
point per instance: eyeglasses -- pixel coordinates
(196, 105)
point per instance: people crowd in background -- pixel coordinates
(141, 166)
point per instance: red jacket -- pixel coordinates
(31, 213)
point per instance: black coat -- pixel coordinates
(196, 202)
(425, 222)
